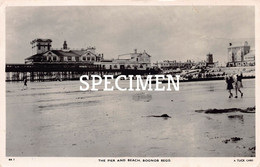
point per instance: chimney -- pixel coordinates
(65, 46)
(135, 50)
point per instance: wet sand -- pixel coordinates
(57, 119)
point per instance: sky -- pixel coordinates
(165, 32)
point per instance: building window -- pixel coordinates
(93, 59)
(73, 58)
(84, 58)
(88, 58)
(69, 58)
(115, 66)
(54, 58)
(65, 59)
(122, 67)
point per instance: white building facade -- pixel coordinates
(135, 61)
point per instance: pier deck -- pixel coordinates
(63, 71)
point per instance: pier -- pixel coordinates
(63, 71)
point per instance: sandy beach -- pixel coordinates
(57, 119)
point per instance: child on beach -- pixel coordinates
(229, 81)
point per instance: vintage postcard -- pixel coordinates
(157, 83)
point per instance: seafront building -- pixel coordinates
(47, 63)
(134, 61)
(42, 52)
(167, 64)
(240, 55)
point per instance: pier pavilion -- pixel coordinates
(47, 63)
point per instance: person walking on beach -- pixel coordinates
(229, 81)
(238, 84)
(25, 83)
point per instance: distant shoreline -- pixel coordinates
(206, 79)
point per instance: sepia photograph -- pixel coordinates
(130, 81)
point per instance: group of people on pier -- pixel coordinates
(234, 81)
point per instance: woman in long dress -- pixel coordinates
(238, 84)
(229, 81)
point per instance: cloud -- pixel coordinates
(165, 32)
